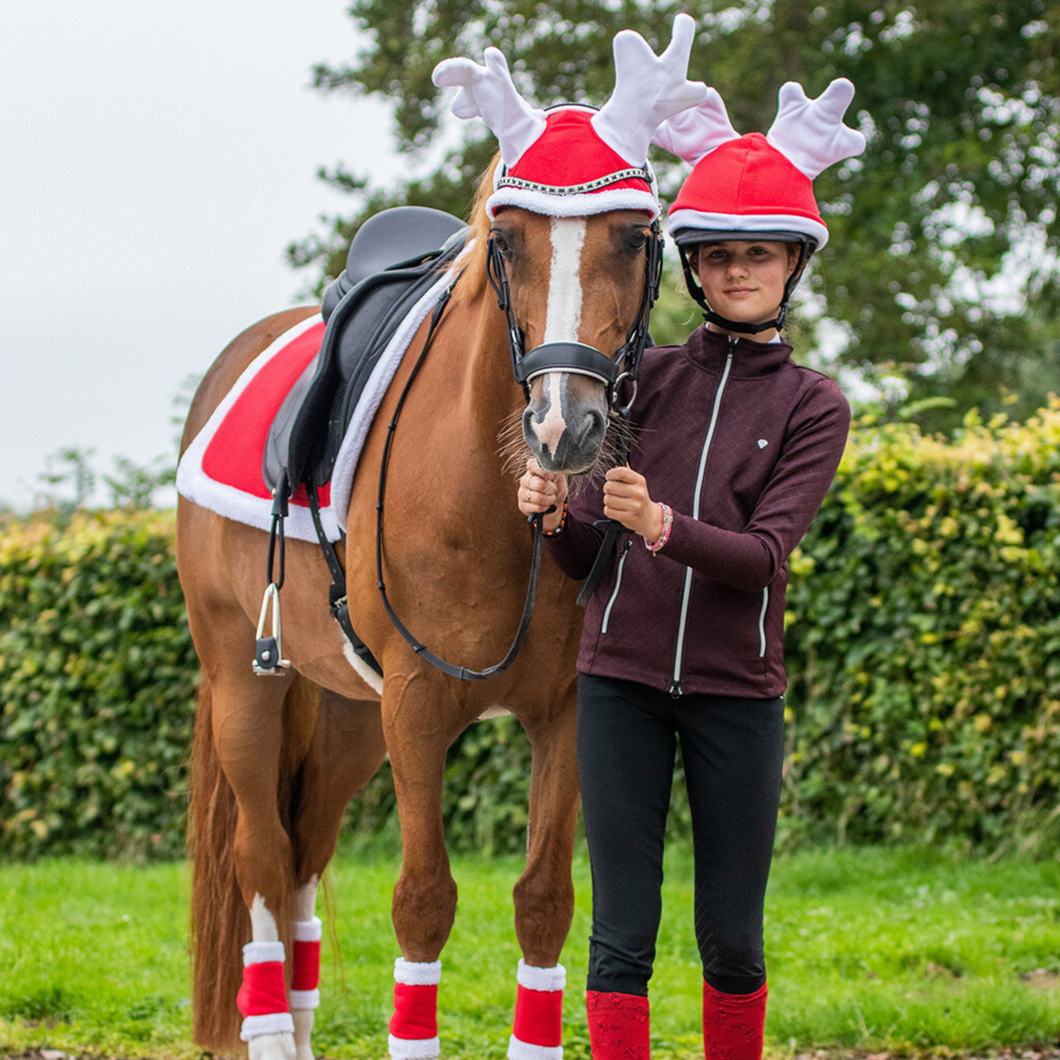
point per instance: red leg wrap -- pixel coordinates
(619, 1026)
(539, 1016)
(733, 1024)
(263, 991)
(306, 965)
(415, 1011)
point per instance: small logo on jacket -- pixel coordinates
(762, 443)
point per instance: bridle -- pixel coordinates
(576, 357)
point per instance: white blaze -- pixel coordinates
(563, 315)
(564, 312)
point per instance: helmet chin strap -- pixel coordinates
(711, 317)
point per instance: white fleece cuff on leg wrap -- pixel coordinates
(415, 1048)
(548, 979)
(274, 1023)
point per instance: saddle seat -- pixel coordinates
(393, 260)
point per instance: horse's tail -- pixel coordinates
(220, 921)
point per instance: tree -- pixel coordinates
(942, 264)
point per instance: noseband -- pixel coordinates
(576, 357)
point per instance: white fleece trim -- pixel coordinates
(417, 973)
(376, 388)
(260, 952)
(193, 483)
(758, 222)
(304, 999)
(415, 1048)
(308, 930)
(546, 979)
(518, 1050)
(273, 1023)
(574, 205)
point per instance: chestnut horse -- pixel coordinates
(276, 760)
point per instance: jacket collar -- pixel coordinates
(709, 350)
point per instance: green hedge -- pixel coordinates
(924, 642)
(923, 651)
(97, 678)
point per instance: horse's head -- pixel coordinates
(580, 288)
(573, 246)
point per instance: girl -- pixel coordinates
(735, 447)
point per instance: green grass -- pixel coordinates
(899, 950)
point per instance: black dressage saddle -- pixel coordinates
(395, 257)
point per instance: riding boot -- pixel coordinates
(733, 1024)
(619, 1026)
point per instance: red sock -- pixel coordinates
(733, 1024)
(619, 1026)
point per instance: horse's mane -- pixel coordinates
(473, 281)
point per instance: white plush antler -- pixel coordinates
(648, 90)
(810, 132)
(694, 133)
(488, 92)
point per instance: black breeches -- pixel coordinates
(733, 752)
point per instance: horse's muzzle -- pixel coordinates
(565, 420)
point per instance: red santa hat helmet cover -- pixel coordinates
(755, 186)
(573, 160)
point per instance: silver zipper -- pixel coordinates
(675, 688)
(762, 624)
(618, 584)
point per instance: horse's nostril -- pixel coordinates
(591, 425)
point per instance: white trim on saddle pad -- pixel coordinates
(233, 503)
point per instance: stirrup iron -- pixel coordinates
(268, 651)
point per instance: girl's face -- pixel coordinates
(744, 280)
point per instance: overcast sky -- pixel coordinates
(155, 160)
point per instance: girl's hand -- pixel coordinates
(540, 490)
(626, 499)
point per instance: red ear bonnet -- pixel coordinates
(574, 160)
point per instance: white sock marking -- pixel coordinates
(262, 922)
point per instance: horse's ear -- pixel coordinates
(810, 132)
(648, 90)
(488, 92)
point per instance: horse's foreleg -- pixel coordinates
(346, 750)
(424, 904)
(544, 895)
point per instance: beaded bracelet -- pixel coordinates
(664, 535)
(559, 526)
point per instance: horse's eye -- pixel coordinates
(500, 241)
(636, 240)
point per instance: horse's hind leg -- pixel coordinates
(544, 895)
(258, 729)
(347, 748)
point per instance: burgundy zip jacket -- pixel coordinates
(743, 444)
